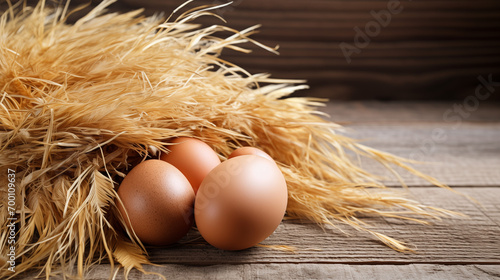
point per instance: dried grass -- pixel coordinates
(82, 103)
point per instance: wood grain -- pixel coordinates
(430, 50)
(451, 241)
(456, 248)
(453, 248)
(462, 152)
(400, 112)
(463, 156)
(309, 271)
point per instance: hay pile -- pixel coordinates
(81, 104)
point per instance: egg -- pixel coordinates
(249, 151)
(159, 201)
(194, 158)
(241, 202)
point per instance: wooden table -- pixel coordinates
(466, 155)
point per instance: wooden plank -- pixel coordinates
(432, 49)
(399, 112)
(420, 54)
(460, 151)
(451, 241)
(452, 248)
(320, 5)
(317, 19)
(306, 271)
(466, 155)
(449, 249)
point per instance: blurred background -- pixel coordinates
(355, 49)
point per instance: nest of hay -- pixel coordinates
(82, 103)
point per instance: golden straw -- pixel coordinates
(82, 103)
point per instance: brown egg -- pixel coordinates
(249, 151)
(159, 202)
(194, 158)
(241, 202)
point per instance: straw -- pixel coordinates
(82, 103)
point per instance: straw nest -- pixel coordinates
(82, 103)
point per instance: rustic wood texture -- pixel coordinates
(453, 248)
(429, 50)
(461, 152)
(311, 271)
(401, 112)
(472, 240)
(464, 156)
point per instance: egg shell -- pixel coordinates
(194, 158)
(159, 202)
(241, 202)
(249, 151)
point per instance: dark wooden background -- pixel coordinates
(430, 50)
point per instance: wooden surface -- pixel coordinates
(431, 49)
(457, 248)
(409, 129)
(317, 271)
